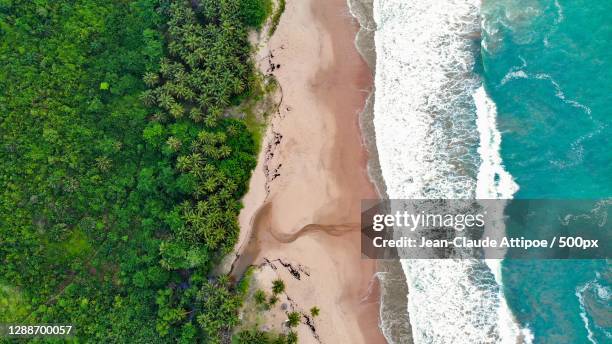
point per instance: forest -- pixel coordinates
(121, 172)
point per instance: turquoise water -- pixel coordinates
(548, 67)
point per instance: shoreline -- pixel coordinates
(300, 220)
(393, 312)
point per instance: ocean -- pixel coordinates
(494, 99)
(548, 67)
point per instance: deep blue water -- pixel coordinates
(548, 67)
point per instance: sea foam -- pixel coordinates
(431, 113)
(494, 182)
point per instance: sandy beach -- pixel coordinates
(300, 222)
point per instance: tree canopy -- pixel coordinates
(121, 176)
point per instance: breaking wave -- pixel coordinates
(437, 138)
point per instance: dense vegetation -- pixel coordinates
(278, 12)
(121, 175)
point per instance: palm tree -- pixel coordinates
(192, 41)
(225, 151)
(293, 319)
(210, 121)
(278, 286)
(177, 110)
(273, 300)
(164, 99)
(260, 296)
(195, 114)
(292, 338)
(210, 151)
(223, 280)
(220, 137)
(230, 185)
(150, 79)
(175, 48)
(182, 163)
(314, 311)
(164, 67)
(210, 185)
(232, 130)
(225, 194)
(183, 92)
(174, 143)
(192, 60)
(148, 98)
(206, 138)
(103, 163)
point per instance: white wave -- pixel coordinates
(603, 292)
(516, 72)
(425, 133)
(425, 73)
(519, 74)
(494, 182)
(576, 153)
(385, 325)
(559, 93)
(598, 213)
(583, 314)
(560, 15)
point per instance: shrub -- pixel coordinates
(314, 311)
(292, 338)
(260, 297)
(273, 300)
(276, 17)
(255, 12)
(293, 319)
(278, 286)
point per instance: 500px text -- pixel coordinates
(560, 242)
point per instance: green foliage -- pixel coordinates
(278, 286)
(167, 314)
(292, 338)
(260, 296)
(121, 176)
(314, 311)
(273, 300)
(154, 134)
(12, 305)
(255, 336)
(277, 16)
(252, 336)
(243, 285)
(255, 12)
(218, 310)
(293, 319)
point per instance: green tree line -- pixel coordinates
(120, 174)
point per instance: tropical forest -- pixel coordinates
(121, 169)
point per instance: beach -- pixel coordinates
(300, 220)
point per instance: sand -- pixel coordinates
(300, 222)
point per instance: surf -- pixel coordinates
(430, 112)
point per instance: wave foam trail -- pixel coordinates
(426, 125)
(583, 313)
(494, 182)
(595, 296)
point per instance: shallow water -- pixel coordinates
(548, 66)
